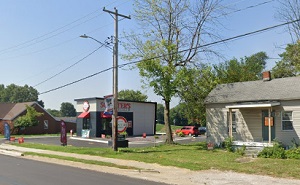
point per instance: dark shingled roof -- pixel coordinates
(273, 90)
(5, 108)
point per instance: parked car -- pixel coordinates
(188, 130)
(202, 130)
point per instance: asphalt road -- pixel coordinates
(18, 171)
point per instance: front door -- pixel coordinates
(265, 127)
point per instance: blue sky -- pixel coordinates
(41, 38)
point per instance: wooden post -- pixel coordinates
(269, 120)
(230, 123)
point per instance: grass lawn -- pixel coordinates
(194, 157)
(161, 128)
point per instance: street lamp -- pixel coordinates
(115, 91)
(102, 44)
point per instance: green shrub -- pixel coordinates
(228, 144)
(180, 134)
(293, 153)
(275, 152)
(241, 151)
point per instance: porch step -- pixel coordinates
(252, 151)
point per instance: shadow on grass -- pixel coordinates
(166, 148)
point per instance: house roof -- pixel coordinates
(273, 90)
(5, 108)
(17, 109)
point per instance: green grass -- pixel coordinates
(193, 157)
(100, 163)
(161, 128)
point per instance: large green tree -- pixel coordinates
(289, 65)
(67, 109)
(132, 95)
(195, 85)
(173, 31)
(178, 115)
(15, 94)
(53, 112)
(247, 69)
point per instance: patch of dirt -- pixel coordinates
(245, 159)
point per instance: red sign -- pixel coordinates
(63, 133)
(122, 124)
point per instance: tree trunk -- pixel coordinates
(169, 139)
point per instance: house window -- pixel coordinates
(233, 121)
(86, 124)
(45, 124)
(287, 120)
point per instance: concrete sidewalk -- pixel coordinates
(152, 171)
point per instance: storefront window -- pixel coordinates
(106, 125)
(86, 123)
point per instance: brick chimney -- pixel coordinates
(266, 76)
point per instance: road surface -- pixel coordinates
(18, 171)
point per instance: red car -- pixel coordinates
(188, 130)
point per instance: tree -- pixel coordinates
(53, 112)
(173, 30)
(132, 95)
(16, 94)
(247, 69)
(193, 88)
(289, 10)
(160, 113)
(29, 119)
(178, 115)
(289, 65)
(67, 109)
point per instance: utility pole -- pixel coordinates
(115, 77)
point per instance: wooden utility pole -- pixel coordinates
(115, 77)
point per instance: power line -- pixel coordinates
(76, 81)
(36, 39)
(200, 46)
(69, 67)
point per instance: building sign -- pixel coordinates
(109, 105)
(267, 121)
(86, 106)
(122, 107)
(122, 124)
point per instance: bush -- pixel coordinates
(228, 144)
(293, 153)
(180, 134)
(241, 151)
(275, 152)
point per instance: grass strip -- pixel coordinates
(100, 163)
(192, 156)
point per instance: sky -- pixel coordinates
(39, 41)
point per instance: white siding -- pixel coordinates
(143, 118)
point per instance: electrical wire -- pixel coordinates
(69, 67)
(36, 39)
(200, 46)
